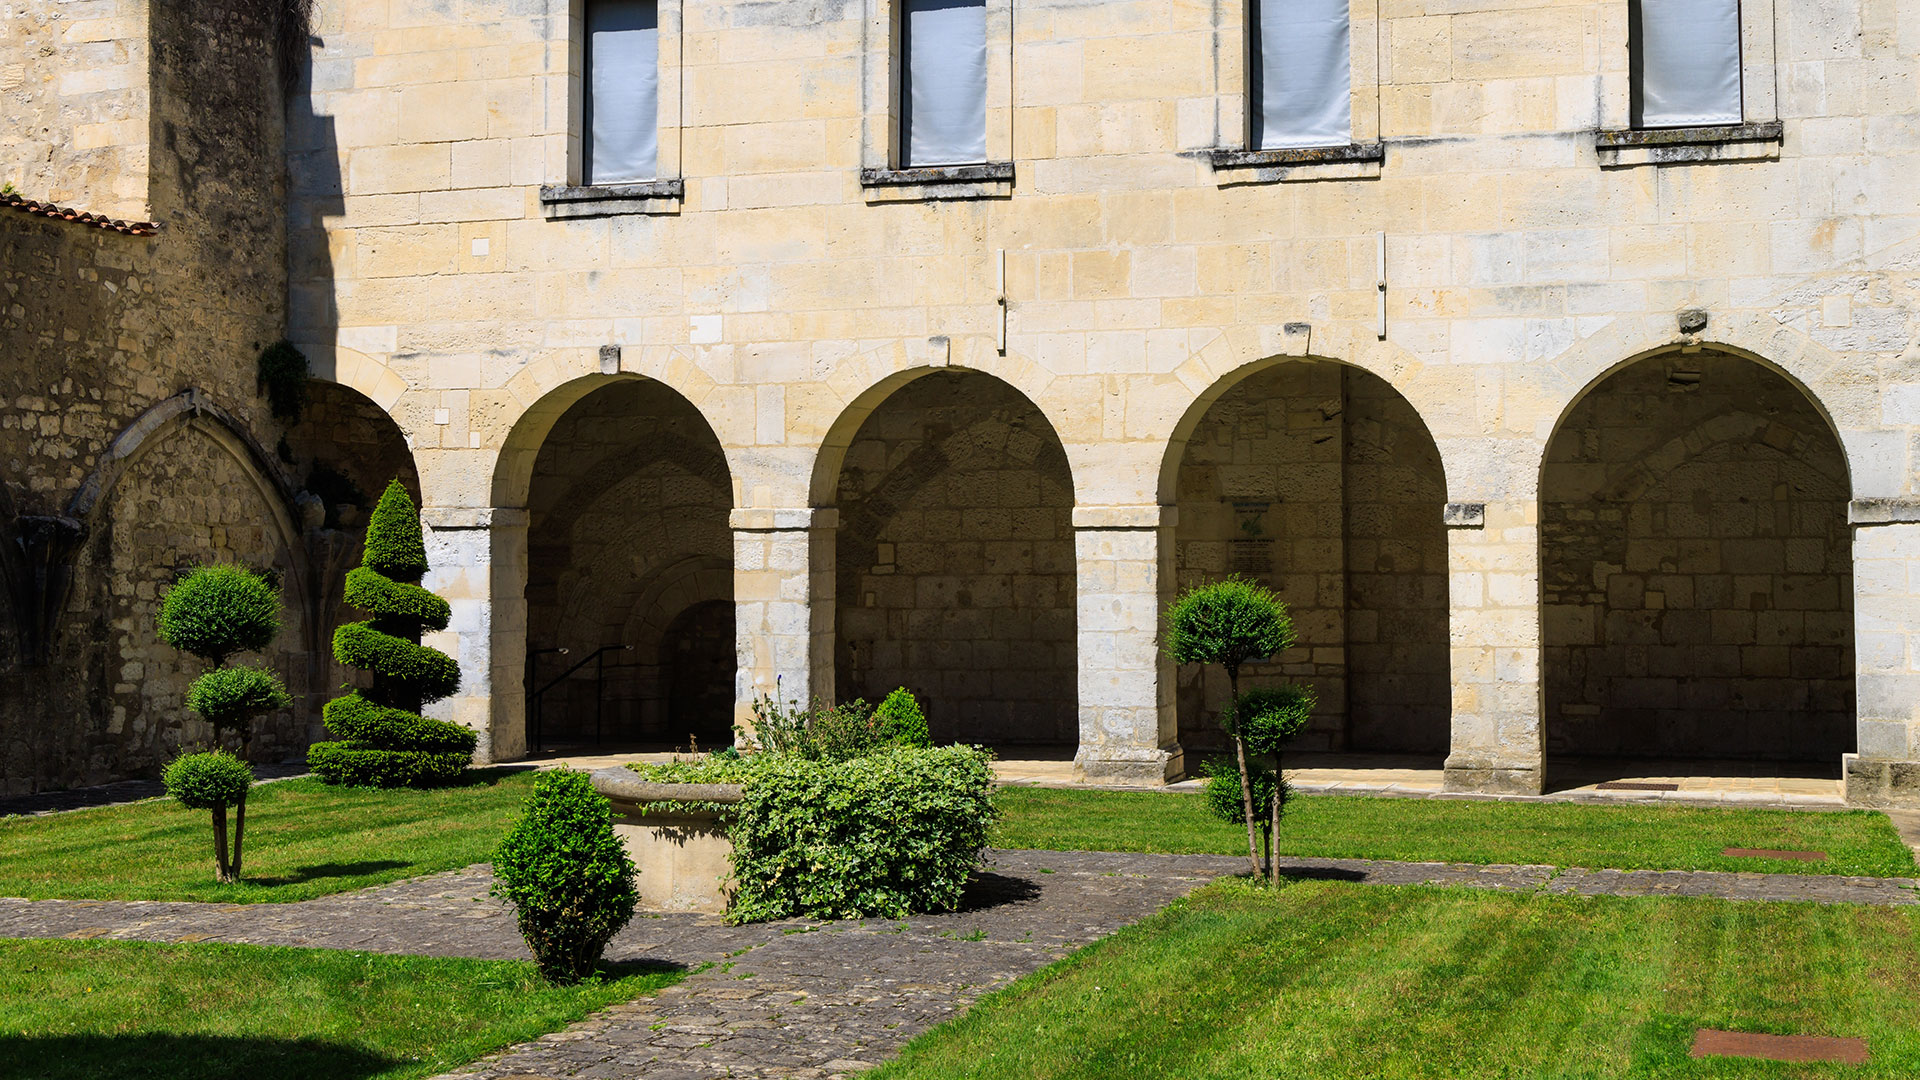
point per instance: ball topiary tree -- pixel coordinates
(384, 741)
(213, 781)
(566, 874)
(214, 612)
(1232, 622)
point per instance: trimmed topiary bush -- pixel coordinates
(892, 834)
(214, 612)
(1232, 622)
(566, 874)
(384, 741)
(214, 781)
(901, 721)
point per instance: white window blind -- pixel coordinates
(1686, 62)
(943, 106)
(1301, 77)
(622, 119)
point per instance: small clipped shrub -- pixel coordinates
(901, 721)
(566, 874)
(232, 697)
(216, 611)
(384, 741)
(213, 781)
(1223, 798)
(895, 833)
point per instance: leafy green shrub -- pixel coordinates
(1223, 794)
(213, 781)
(216, 611)
(232, 697)
(283, 374)
(566, 874)
(385, 742)
(1232, 622)
(901, 721)
(892, 834)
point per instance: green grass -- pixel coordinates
(132, 1011)
(1445, 830)
(304, 839)
(1326, 979)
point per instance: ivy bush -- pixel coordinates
(566, 874)
(894, 833)
(384, 741)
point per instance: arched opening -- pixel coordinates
(629, 576)
(1696, 572)
(1320, 481)
(955, 562)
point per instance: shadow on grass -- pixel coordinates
(988, 890)
(184, 1057)
(329, 870)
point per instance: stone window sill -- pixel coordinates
(1357, 161)
(1689, 145)
(561, 201)
(992, 180)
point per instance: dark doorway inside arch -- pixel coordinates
(955, 563)
(630, 571)
(1320, 481)
(1696, 571)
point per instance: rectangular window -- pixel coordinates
(943, 87)
(1299, 74)
(622, 110)
(1685, 57)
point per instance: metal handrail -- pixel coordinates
(537, 698)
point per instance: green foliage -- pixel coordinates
(386, 742)
(838, 731)
(283, 374)
(229, 698)
(1268, 717)
(213, 780)
(396, 547)
(216, 611)
(1222, 793)
(895, 833)
(566, 874)
(901, 721)
(1229, 622)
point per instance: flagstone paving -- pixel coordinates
(813, 1000)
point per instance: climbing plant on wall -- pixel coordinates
(384, 741)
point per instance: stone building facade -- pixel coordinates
(1562, 433)
(143, 257)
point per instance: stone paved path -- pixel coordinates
(807, 1000)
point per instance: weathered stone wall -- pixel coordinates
(956, 561)
(170, 114)
(1696, 569)
(74, 103)
(627, 533)
(1319, 481)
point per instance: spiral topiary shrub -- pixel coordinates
(384, 741)
(566, 874)
(214, 781)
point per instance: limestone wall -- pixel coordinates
(1124, 279)
(75, 92)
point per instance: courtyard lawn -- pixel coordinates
(133, 1011)
(1327, 979)
(304, 839)
(1447, 830)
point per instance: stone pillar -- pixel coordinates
(1128, 729)
(477, 560)
(783, 599)
(1493, 562)
(1884, 770)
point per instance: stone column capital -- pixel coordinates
(442, 518)
(1125, 517)
(783, 519)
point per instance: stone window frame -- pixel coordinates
(1757, 137)
(1235, 161)
(564, 196)
(882, 177)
